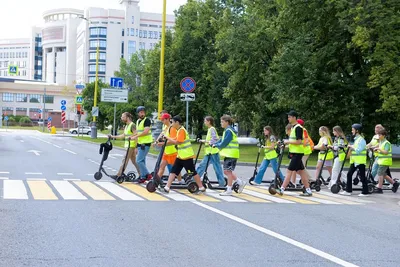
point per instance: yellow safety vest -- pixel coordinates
(374, 142)
(321, 153)
(128, 132)
(298, 149)
(385, 160)
(268, 152)
(169, 148)
(358, 158)
(341, 153)
(208, 149)
(185, 149)
(147, 139)
(232, 149)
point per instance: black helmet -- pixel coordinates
(357, 127)
(140, 108)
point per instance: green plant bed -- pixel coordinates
(248, 153)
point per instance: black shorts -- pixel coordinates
(230, 164)
(296, 163)
(179, 164)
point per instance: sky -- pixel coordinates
(17, 17)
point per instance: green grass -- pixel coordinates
(248, 153)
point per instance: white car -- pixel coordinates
(82, 130)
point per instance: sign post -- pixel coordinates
(118, 83)
(63, 108)
(188, 85)
(6, 119)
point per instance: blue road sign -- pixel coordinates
(40, 111)
(6, 118)
(63, 102)
(63, 108)
(80, 86)
(188, 85)
(49, 118)
(117, 82)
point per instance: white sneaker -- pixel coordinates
(345, 193)
(241, 187)
(226, 193)
(362, 195)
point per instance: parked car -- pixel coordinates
(82, 130)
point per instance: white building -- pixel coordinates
(15, 52)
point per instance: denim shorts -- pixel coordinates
(229, 164)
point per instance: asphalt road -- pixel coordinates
(104, 224)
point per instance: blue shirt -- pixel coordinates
(222, 143)
(361, 146)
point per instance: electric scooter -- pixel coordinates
(156, 181)
(105, 149)
(320, 180)
(251, 180)
(336, 187)
(207, 181)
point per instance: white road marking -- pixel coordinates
(67, 190)
(178, 197)
(21, 141)
(72, 152)
(57, 146)
(4, 172)
(64, 173)
(354, 198)
(71, 179)
(319, 200)
(118, 191)
(215, 194)
(90, 174)
(112, 157)
(3, 178)
(288, 240)
(36, 179)
(267, 197)
(33, 173)
(14, 189)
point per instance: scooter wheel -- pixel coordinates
(304, 190)
(98, 175)
(193, 187)
(204, 184)
(356, 181)
(151, 187)
(131, 176)
(313, 185)
(317, 188)
(120, 179)
(251, 180)
(319, 183)
(328, 180)
(371, 188)
(335, 189)
(235, 187)
(226, 181)
(272, 189)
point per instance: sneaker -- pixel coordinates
(306, 194)
(114, 177)
(226, 193)
(141, 180)
(362, 195)
(345, 193)
(378, 190)
(182, 182)
(200, 192)
(279, 191)
(241, 187)
(149, 177)
(395, 187)
(291, 185)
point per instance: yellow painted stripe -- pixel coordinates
(41, 190)
(250, 198)
(339, 200)
(203, 197)
(290, 198)
(93, 191)
(141, 191)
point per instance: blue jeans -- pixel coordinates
(263, 168)
(374, 170)
(215, 160)
(141, 160)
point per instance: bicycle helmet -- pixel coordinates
(140, 108)
(357, 127)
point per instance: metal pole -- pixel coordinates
(94, 128)
(44, 107)
(115, 115)
(187, 115)
(162, 57)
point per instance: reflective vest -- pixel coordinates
(128, 132)
(321, 154)
(375, 142)
(358, 158)
(232, 149)
(341, 152)
(169, 148)
(298, 149)
(146, 139)
(208, 149)
(306, 143)
(185, 149)
(385, 160)
(268, 152)
(164, 128)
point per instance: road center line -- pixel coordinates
(3, 178)
(33, 173)
(72, 152)
(36, 179)
(288, 240)
(64, 173)
(56, 146)
(4, 172)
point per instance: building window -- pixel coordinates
(102, 56)
(131, 48)
(94, 43)
(21, 97)
(151, 34)
(8, 97)
(8, 110)
(49, 99)
(127, 31)
(160, 35)
(132, 32)
(137, 32)
(102, 68)
(98, 31)
(133, 19)
(34, 98)
(123, 32)
(140, 33)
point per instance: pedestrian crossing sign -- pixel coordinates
(78, 100)
(13, 70)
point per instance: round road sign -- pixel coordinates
(188, 85)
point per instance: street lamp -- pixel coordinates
(162, 57)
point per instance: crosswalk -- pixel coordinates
(74, 189)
